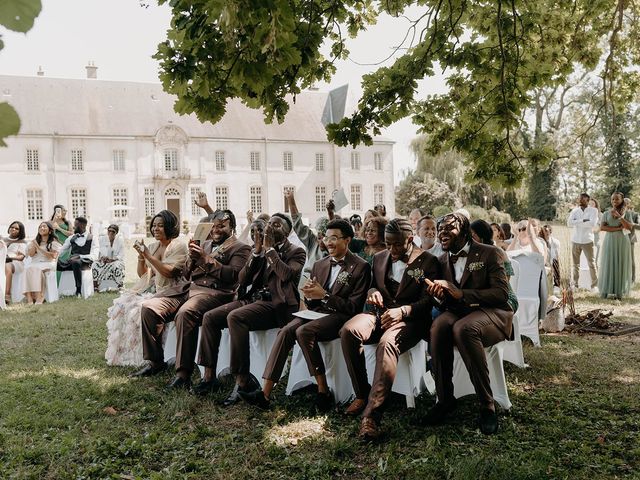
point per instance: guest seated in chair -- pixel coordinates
(108, 271)
(267, 297)
(337, 288)
(43, 251)
(211, 280)
(399, 317)
(474, 296)
(16, 252)
(83, 252)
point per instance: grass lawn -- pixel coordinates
(65, 414)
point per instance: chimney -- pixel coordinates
(40, 72)
(92, 70)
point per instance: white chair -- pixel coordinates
(462, 385)
(3, 279)
(18, 285)
(513, 348)
(170, 344)
(51, 286)
(531, 293)
(67, 286)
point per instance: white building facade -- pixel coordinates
(94, 145)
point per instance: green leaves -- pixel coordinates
(19, 15)
(9, 122)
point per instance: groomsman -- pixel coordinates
(267, 297)
(476, 314)
(337, 288)
(83, 252)
(399, 317)
(212, 273)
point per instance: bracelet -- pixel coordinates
(404, 312)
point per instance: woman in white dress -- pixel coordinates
(16, 252)
(108, 271)
(43, 252)
(527, 240)
(159, 267)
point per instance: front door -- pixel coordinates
(173, 205)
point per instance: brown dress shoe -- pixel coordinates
(356, 407)
(369, 429)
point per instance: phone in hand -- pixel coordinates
(196, 241)
(58, 212)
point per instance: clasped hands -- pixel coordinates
(264, 240)
(312, 290)
(390, 316)
(439, 288)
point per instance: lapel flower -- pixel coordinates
(416, 273)
(475, 266)
(343, 278)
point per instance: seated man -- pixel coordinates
(212, 273)
(399, 318)
(83, 252)
(337, 287)
(426, 228)
(476, 314)
(267, 297)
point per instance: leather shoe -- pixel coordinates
(438, 413)
(488, 421)
(179, 383)
(234, 396)
(356, 407)
(255, 398)
(149, 370)
(369, 429)
(323, 402)
(205, 388)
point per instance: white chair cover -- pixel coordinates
(462, 385)
(170, 344)
(18, 285)
(67, 285)
(531, 293)
(513, 348)
(3, 278)
(51, 286)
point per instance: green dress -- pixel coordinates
(614, 275)
(61, 237)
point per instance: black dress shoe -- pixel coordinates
(205, 388)
(179, 383)
(149, 370)
(234, 397)
(323, 402)
(438, 413)
(255, 398)
(488, 421)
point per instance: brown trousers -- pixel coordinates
(470, 334)
(399, 338)
(308, 334)
(241, 318)
(187, 310)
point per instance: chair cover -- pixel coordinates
(531, 293)
(67, 285)
(513, 348)
(3, 278)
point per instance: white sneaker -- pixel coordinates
(595, 290)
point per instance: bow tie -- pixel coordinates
(403, 259)
(78, 235)
(455, 256)
(339, 263)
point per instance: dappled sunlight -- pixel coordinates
(292, 433)
(628, 376)
(93, 375)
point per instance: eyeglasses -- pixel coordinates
(522, 229)
(332, 238)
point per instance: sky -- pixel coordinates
(120, 37)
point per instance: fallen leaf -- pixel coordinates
(110, 411)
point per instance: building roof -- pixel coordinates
(107, 108)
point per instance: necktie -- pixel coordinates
(455, 256)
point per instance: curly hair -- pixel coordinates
(170, 221)
(461, 222)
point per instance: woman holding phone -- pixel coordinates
(62, 230)
(159, 267)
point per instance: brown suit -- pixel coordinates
(279, 271)
(210, 285)
(398, 338)
(347, 296)
(480, 319)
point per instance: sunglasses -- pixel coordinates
(522, 229)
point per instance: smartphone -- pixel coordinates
(197, 242)
(58, 211)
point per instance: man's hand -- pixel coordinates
(249, 217)
(195, 250)
(201, 200)
(312, 290)
(331, 209)
(257, 241)
(376, 299)
(447, 287)
(390, 318)
(269, 241)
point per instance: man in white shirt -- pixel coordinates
(83, 252)
(583, 219)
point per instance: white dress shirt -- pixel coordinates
(397, 270)
(460, 263)
(583, 222)
(333, 276)
(80, 241)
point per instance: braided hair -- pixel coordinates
(461, 222)
(399, 226)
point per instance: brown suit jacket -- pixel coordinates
(282, 272)
(349, 292)
(211, 278)
(484, 286)
(412, 289)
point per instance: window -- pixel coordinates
(319, 162)
(255, 199)
(377, 161)
(34, 204)
(287, 160)
(222, 197)
(149, 202)
(33, 160)
(356, 191)
(118, 160)
(77, 161)
(78, 202)
(378, 193)
(221, 165)
(285, 189)
(355, 160)
(321, 198)
(195, 209)
(120, 198)
(255, 161)
(171, 160)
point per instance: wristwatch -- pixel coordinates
(325, 299)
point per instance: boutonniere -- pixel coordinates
(416, 273)
(343, 278)
(475, 266)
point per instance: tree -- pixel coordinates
(498, 53)
(424, 191)
(618, 158)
